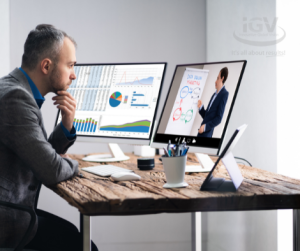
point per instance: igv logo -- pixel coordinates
(259, 32)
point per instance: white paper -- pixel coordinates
(233, 169)
(185, 106)
(196, 169)
(205, 161)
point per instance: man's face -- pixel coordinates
(219, 82)
(63, 73)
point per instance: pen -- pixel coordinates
(175, 149)
(173, 152)
(178, 148)
(168, 147)
(183, 147)
(166, 152)
(185, 151)
(178, 142)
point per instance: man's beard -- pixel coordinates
(55, 81)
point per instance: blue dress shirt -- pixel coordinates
(40, 100)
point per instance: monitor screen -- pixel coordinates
(199, 103)
(116, 100)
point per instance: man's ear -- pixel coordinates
(46, 65)
(222, 80)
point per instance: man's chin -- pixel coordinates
(56, 91)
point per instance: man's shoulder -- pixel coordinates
(224, 92)
(12, 84)
(8, 81)
(10, 90)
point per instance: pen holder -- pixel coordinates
(174, 168)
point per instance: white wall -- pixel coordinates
(288, 88)
(256, 106)
(119, 31)
(4, 38)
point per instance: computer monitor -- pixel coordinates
(184, 115)
(116, 103)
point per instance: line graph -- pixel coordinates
(136, 75)
(136, 81)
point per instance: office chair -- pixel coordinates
(31, 224)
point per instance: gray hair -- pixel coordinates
(45, 41)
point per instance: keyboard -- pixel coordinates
(105, 170)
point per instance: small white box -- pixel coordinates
(144, 151)
(161, 152)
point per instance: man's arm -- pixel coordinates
(202, 111)
(59, 140)
(20, 127)
(218, 118)
(64, 134)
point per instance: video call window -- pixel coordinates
(200, 99)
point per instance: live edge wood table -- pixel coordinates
(94, 195)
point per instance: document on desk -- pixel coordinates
(196, 169)
(105, 170)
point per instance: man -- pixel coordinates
(27, 158)
(213, 115)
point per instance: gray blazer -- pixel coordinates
(27, 158)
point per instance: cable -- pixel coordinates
(243, 160)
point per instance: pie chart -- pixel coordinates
(115, 99)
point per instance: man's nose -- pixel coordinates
(73, 75)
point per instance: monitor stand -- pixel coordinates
(206, 164)
(116, 155)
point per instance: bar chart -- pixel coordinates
(141, 99)
(87, 125)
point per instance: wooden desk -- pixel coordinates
(95, 195)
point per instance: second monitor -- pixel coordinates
(199, 104)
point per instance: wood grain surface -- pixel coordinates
(96, 195)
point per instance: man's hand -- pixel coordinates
(67, 104)
(201, 130)
(199, 103)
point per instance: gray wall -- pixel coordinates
(4, 38)
(118, 31)
(256, 106)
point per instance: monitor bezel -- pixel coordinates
(209, 149)
(125, 140)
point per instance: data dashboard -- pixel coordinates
(116, 100)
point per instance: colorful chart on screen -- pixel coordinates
(85, 125)
(141, 126)
(115, 99)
